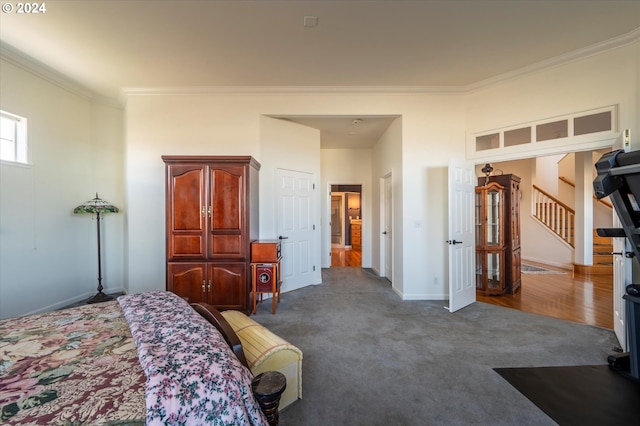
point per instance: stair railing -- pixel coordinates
(554, 214)
(603, 201)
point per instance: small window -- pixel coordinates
(517, 136)
(488, 142)
(593, 123)
(13, 138)
(553, 130)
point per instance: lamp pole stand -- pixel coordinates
(100, 297)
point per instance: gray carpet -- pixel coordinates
(373, 359)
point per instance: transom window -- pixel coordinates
(595, 128)
(13, 138)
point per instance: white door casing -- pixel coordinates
(462, 244)
(296, 227)
(386, 234)
(337, 215)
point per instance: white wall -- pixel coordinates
(550, 168)
(48, 255)
(432, 135)
(172, 125)
(346, 167)
(387, 161)
(301, 148)
(609, 78)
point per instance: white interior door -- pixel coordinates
(622, 269)
(621, 278)
(386, 237)
(462, 243)
(295, 227)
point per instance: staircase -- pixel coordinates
(560, 219)
(554, 214)
(602, 258)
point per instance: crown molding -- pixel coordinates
(594, 49)
(15, 57)
(292, 90)
(18, 58)
(607, 45)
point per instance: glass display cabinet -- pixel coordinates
(498, 235)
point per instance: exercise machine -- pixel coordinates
(619, 179)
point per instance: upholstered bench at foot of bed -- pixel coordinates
(267, 352)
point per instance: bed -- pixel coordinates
(147, 358)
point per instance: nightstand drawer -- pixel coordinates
(265, 251)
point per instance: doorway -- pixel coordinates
(294, 212)
(346, 225)
(585, 298)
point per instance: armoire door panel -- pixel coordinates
(228, 285)
(227, 194)
(188, 202)
(184, 245)
(227, 246)
(186, 211)
(187, 280)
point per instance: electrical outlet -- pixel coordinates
(627, 138)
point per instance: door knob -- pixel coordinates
(452, 242)
(282, 238)
(628, 254)
(384, 232)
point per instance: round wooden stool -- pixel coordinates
(268, 387)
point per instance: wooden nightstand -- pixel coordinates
(356, 234)
(265, 271)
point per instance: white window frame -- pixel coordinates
(19, 140)
(584, 142)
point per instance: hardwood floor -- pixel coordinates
(346, 257)
(578, 298)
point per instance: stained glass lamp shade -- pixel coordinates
(97, 206)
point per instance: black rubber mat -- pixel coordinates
(581, 395)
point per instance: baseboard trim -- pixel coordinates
(588, 270)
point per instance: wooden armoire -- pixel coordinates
(498, 258)
(211, 219)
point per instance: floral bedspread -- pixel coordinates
(193, 377)
(70, 367)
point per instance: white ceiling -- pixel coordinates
(353, 132)
(108, 46)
